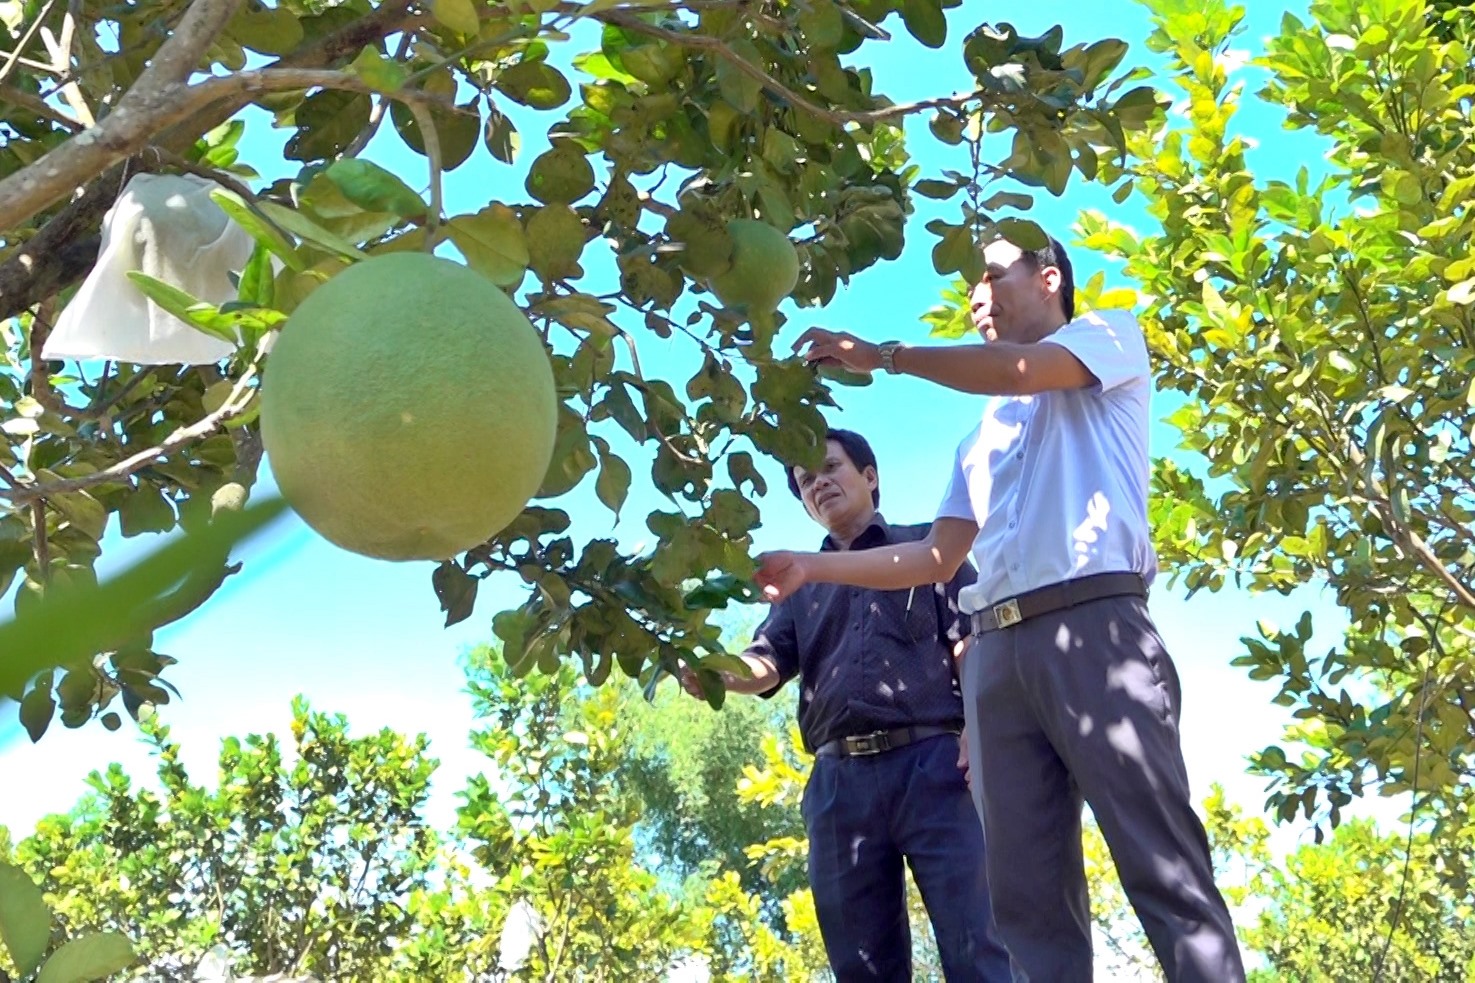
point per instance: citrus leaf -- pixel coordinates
(458, 15)
(25, 919)
(92, 957)
(925, 21)
(305, 228)
(378, 73)
(374, 189)
(195, 313)
(258, 227)
(493, 243)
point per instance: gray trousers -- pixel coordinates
(1084, 704)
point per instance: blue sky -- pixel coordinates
(365, 638)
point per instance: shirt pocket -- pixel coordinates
(912, 615)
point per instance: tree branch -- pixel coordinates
(14, 58)
(431, 139)
(837, 117)
(64, 250)
(35, 104)
(234, 404)
(178, 57)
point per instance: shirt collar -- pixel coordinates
(877, 533)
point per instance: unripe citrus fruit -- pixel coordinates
(765, 267)
(408, 408)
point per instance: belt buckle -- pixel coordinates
(1007, 613)
(864, 745)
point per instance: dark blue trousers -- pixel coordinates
(866, 817)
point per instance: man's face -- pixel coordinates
(1012, 296)
(838, 495)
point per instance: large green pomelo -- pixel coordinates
(765, 267)
(408, 408)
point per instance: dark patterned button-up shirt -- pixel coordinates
(868, 660)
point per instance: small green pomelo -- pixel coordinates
(408, 408)
(765, 267)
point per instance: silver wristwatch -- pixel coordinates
(888, 355)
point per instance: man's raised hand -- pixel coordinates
(779, 575)
(819, 344)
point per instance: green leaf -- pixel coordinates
(378, 72)
(493, 243)
(738, 88)
(258, 279)
(941, 190)
(458, 15)
(78, 619)
(195, 313)
(561, 175)
(535, 84)
(501, 137)
(305, 228)
(457, 129)
(1023, 233)
(92, 957)
(375, 189)
(327, 123)
(555, 237)
(925, 20)
(952, 252)
(456, 591)
(258, 227)
(269, 30)
(613, 484)
(25, 919)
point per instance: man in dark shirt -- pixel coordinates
(880, 708)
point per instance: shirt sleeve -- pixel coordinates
(1109, 344)
(777, 641)
(956, 503)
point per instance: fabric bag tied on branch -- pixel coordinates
(167, 226)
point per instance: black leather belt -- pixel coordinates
(862, 745)
(1043, 600)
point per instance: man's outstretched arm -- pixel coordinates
(895, 567)
(999, 368)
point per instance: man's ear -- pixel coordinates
(1052, 280)
(873, 480)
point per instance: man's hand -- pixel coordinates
(818, 344)
(780, 574)
(964, 765)
(690, 683)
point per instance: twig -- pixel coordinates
(14, 57)
(40, 331)
(60, 49)
(66, 247)
(837, 117)
(376, 116)
(431, 140)
(35, 104)
(142, 114)
(8, 476)
(203, 170)
(234, 403)
(43, 548)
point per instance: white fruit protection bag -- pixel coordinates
(167, 226)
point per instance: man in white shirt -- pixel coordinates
(1068, 691)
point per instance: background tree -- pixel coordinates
(1317, 324)
(316, 862)
(653, 123)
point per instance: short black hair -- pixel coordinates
(1053, 254)
(857, 449)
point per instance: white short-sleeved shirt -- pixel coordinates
(1057, 482)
